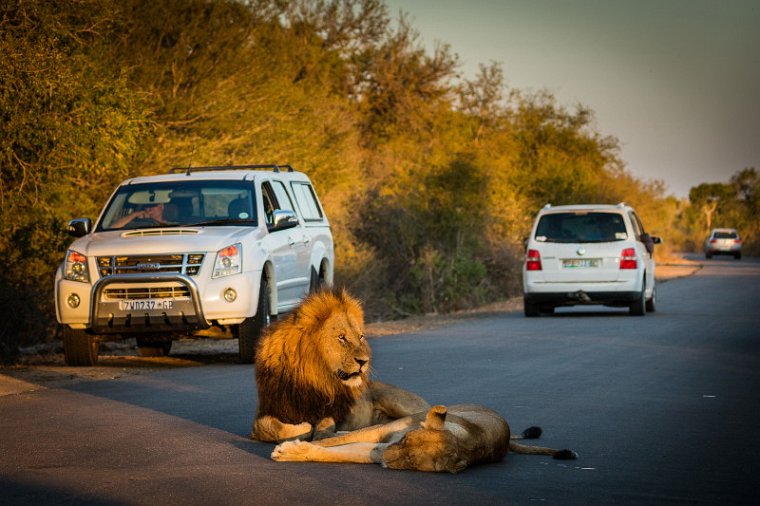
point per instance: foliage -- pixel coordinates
(69, 129)
(431, 181)
(734, 204)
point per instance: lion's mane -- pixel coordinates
(293, 378)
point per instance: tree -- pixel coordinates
(70, 127)
(93, 91)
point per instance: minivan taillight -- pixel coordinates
(533, 262)
(628, 259)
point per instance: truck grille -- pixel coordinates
(155, 292)
(188, 264)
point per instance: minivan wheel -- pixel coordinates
(79, 347)
(531, 308)
(638, 307)
(249, 332)
(652, 302)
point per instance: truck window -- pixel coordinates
(307, 201)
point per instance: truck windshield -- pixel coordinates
(180, 204)
(575, 227)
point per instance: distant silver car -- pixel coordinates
(723, 241)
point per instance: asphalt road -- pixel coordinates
(663, 409)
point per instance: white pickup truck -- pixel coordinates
(200, 249)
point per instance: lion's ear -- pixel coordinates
(436, 418)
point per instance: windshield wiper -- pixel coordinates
(228, 221)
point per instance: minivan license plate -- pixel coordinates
(146, 304)
(573, 263)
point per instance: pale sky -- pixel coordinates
(676, 81)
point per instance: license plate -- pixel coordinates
(146, 304)
(582, 263)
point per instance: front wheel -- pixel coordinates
(79, 347)
(249, 332)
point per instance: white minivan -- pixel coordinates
(591, 255)
(202, 248)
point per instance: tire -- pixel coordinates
(79, 347)
(639, 306)
(531, 309)
(153, 347)
(738, 256)
(249, 332)
(317, 281)
(651, 304)
(708, 256)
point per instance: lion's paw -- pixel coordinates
(292, 451)
(288, 432)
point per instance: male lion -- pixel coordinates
(441, 439)
(312, 372)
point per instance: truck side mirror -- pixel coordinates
(79, 227)
(282, 219)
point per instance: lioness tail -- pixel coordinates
(540, 450)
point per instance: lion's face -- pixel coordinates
(322, 345)
(344, 348)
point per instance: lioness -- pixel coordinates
(312, 372)
(441, 439)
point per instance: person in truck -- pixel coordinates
(152, 213)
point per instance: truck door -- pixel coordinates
(289, 251)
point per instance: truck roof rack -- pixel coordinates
(273, 167)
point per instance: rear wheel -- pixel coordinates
(638, 307)
(317, 281)
(79, 347)
(249, 332)
(652, 301)
(738, 256)
(147, 347)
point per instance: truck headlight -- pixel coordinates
(76, 267)
(228, 261)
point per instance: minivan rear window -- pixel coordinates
(575, 227)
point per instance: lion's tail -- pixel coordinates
(540, 450)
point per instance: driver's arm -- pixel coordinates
(128, 218)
